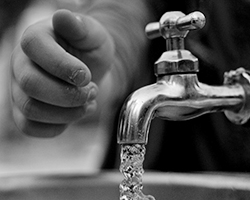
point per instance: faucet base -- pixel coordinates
(242, 77)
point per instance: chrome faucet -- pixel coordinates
(177, 94)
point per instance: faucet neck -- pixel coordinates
(187, 80)
(174, 43)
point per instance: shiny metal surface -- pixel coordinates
(243, 77)
(194, 20)
(176, 61)
(178, 95)
(175, 24)
(174, 97)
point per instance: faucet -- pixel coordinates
(177, 94)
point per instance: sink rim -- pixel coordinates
(238, 181)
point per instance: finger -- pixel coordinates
(40, 85)
(40, 45)
(89, 36)
(41, 112)
(37, 129)
(82, 32)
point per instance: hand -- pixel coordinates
(56, 70)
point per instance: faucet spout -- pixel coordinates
(174, 97)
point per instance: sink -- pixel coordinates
(105, 186)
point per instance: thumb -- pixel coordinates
(81, 32)
(94, 44)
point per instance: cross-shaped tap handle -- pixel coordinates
(175, 24)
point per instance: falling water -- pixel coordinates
(132, 157)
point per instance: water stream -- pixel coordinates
(132, 157)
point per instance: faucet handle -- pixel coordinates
(173, 27)
(175, 24)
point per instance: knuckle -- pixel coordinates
(24, 127)
(27, 39)
(27, 82)
(27, 108)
